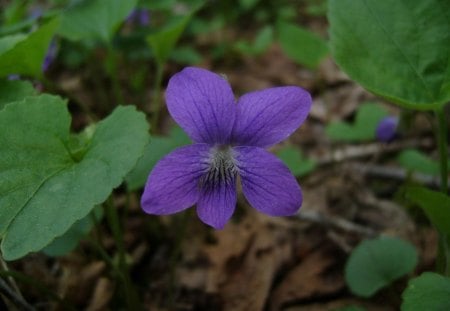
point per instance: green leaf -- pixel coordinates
(436, 206)
(295, 161)
(14, 90)
(262, 41)
(364, 127)
(303, 46)
(46, 183)
(376, 263)
(24, 54)
(397, 49)
(159, 146)
(429, 291)
(95, 19)
(415, 161)
(66, 243)
(163, 41)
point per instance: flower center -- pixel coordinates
(222, 168)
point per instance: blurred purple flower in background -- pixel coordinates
(50, 56)
(139, 16)
(229, 139)
(387, 129)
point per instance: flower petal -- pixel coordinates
(216, 204)
(267, 183)
(203, 104)
(172, 186)
(267, 117)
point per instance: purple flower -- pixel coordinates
(229, 139)
(50, 55)
(386, 129)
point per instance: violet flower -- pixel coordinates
(229, 139)
(387, 129)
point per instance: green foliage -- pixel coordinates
(303, 46)
(94, 19)
(295, 161)
(376, 263)
(47, 182)
(429, 291)
(158, 147)
(163, 41)
(396, 49)
(364, 127)
(415, 161)
(262, 41)
(66, 243)
(24, 55)
(14, 90)
(436, 206)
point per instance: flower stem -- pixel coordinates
(443, 258)
(157, 95)
(113, 72)
(114, 223)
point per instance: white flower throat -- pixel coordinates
(222, 169)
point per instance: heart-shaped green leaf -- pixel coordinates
(374, 264)
(436, 206)
(398, 49)
(94, 19)
(364, 127)
(24, 54)
(429, 291)
(296, 161)
(47, 182)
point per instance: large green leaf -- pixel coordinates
(47, 182)
(399, 49)
(436, 206)
(24, 54)
(94, 19)
(374, 264)
(429, 291)
(14, 91)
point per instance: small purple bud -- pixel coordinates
(139, 16)
(36, 12)
(387, 129)
(13, 77)
(50, 56)
(144, 17)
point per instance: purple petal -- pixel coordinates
(202, 103)
(267, 117)
(172, 186)
(386, 129)
(267, 183)
(216, 204)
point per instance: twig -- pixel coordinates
(395, 173)
(14, 297)
(361, 151)
(337, 222)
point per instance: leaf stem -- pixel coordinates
(443, 148)
(443, 257)
(113, 220)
